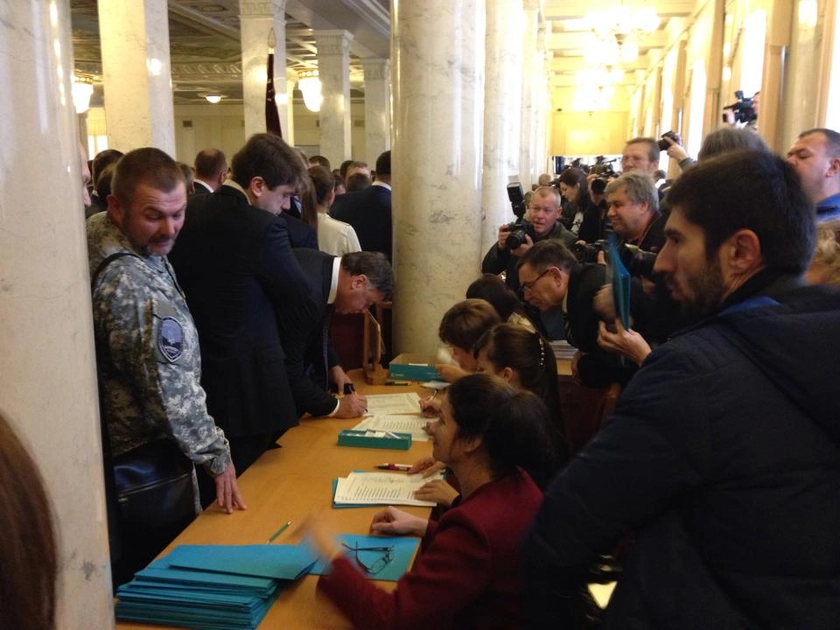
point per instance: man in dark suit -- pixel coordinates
(211, 169)
(551, 278)
(369, 210)
(349, 284)
(235, 263)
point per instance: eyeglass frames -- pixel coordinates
(376, 558)
(529, 286)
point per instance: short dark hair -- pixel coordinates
(832, 139)
(209, 163)
(752, 190)
(357, 182)
(383, 163)
(652, 146)
(103, 183)
(492, 288)
(548, 253)
(102, 160)
(464, 323)
(319, 160)
(268, 156)
(730, 139)
(374, 266)
(145, 166)
(513, 425)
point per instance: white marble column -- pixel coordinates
(289, 128)
(47, 369)
(334, 72)
(529, 61)
(136, 73)
(502, 115)
(256, 19)
(540, 98)
(438, 57)
(377, 107)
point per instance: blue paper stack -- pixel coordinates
(212, 586)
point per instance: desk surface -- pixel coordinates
(290, 483)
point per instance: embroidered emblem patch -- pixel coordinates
(170, 339)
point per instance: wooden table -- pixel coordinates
(291, 483)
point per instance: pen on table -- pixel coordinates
(278, 532)
(394, 466)
(396, 383)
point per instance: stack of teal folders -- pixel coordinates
(212, 586)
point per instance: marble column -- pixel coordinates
(771, 121)
(256, 19)
(714, 70)
(438, 57)
(334, 72)
(377, 107)
(47, 369)
(529, 60)
(289, 128)
(136, 74)
(502, 116)
(540, 98)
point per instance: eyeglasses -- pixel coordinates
(375, 558)
(529, 286)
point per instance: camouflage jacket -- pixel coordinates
(148, 356)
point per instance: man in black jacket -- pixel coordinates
(235, 263)
(723, 453)
(349, 284)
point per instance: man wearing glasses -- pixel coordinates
(543, 223)
(551, 280)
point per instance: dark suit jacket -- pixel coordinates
(302, 327)
(300, 234)
(369, 212)
(237, 270)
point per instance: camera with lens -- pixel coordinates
(638, 262)
(519, 228)
(603, 167)
(664, 144)
(588, 252)
(742, 109)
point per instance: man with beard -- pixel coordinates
(723, 453)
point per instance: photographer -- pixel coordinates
(633, 210)
(543, 223)
(743, 113)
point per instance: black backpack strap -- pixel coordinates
(105, 263)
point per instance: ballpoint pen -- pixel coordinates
(402, 467)
(278, 532)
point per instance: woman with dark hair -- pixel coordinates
(28, 564)
(525, 360)
(493, 289)
(334, 237)
(581, 216)
(469, 574)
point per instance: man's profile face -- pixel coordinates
(809, 158)
(356, 295)
(85, 178)
(695, 282)
(627, 218)
(152, 219)
(635, 157)
(543, 290)
(273, 200)
(543, 213)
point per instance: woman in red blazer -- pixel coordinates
(469, 575)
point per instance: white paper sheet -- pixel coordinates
(381, 489)
(412, 424)
(381, 404)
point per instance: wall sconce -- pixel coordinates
(213, 98)
(310, 85)
(82, 91)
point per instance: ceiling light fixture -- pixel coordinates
(82, 91)
(213, 98)
(620, 27)
(310, 86)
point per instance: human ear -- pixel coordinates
(507, 374)
(742, 252)
(257, 186)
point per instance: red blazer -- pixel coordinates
(469, 576)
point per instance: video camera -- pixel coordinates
(519, 228)
(664, 144)
(742, 109)
(603, 167)
(638, 262)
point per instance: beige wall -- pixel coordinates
(584, 133)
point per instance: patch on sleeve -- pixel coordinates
(170, 339)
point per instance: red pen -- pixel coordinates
(394, 467)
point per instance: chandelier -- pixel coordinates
(617, 29)
(310, 86)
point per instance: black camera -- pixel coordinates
(638, 262)
(588, 252)
(664, 144)
(519, 228)
(603, 167)
(742, 109)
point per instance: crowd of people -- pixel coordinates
(719, 468)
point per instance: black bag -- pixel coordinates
(154, 486)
